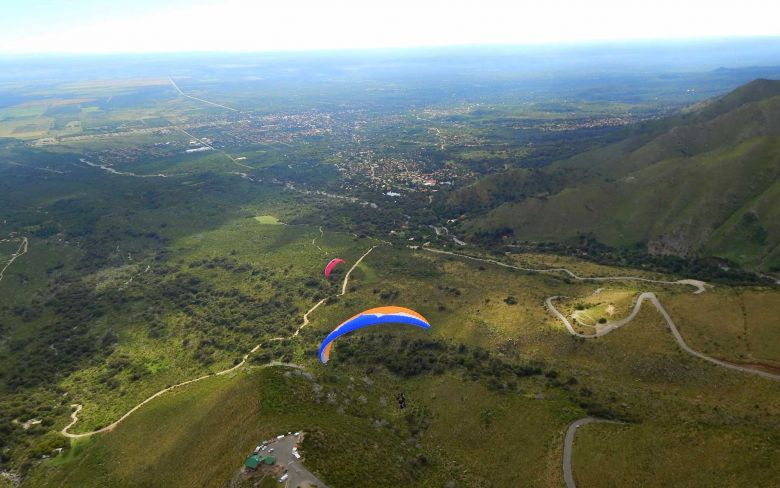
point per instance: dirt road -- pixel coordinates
(346, 277)
(699, 285)
(19, 252)
(653, 299)
(74, 416)
(314, 240)
(568, 446)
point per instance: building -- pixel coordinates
(255, 460)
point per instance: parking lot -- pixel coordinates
(297, 474)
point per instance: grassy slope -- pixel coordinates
(211, 427)
(687, 432)
(737, 320)
(655, 455)
(165, 358)
(682, 199)
(687, 188)
(637, 370)
(196, 437)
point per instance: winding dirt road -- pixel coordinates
(75, 415)
(314, 240)
(346, 277)
(652, 298)
(568, 446)
(699, 285)
(77, 407)
(19, 252)
(568, 443)
(610, 326)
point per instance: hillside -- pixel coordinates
(474, 371)
(705, 182)
(163, 300)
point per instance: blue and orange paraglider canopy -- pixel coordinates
(367, 318)
(332, 264)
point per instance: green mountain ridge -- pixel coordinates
(701, 183)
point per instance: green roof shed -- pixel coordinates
(252, 461)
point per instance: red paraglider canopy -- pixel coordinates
(332, 264)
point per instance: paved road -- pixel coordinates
(199, 99)
(568, 446)
(297, 473)
(652, 298)
(234, 160)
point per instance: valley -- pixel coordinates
(581, 259)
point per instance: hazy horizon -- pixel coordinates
(619, 44)
(198, 26)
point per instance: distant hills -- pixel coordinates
(704, 182)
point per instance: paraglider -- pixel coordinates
(332, 264)
(372, 316)
(401, 399)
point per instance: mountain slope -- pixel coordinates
(703, 182)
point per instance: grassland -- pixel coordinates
(267, 220)
(609, 304)
(655, 455)
(162, 360)
(134, 284)
(212, 426)
(737, 323)
(636, 373)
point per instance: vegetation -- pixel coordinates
(150, 264)
(661, 190)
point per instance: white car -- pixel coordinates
(283, 478)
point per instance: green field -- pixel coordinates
(267, 220)
(524, 422)
(163, 266)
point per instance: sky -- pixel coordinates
(122, 26)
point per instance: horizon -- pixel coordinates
(582, 202)
(619, 44)
(240, 26)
